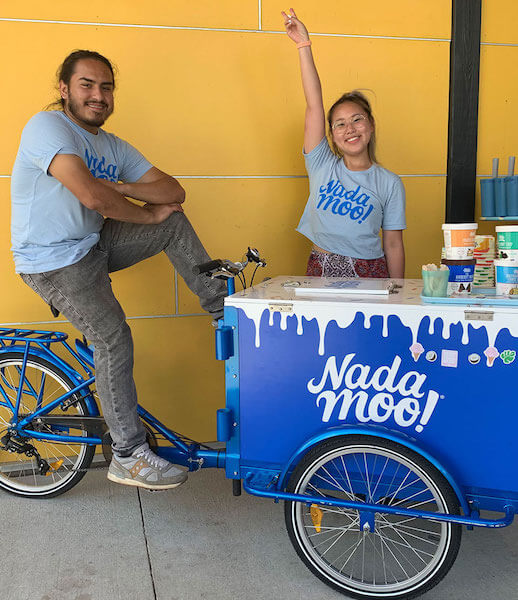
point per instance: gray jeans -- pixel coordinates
(82, 292)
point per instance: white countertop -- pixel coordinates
(281, 290)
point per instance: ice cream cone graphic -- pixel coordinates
(416, 349)
(491, 353)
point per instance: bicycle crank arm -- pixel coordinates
(94, 426)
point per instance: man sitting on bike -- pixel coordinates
(72, 225)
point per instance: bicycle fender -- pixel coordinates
(63, 366)
(372, 431)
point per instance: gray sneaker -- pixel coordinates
(145, 469)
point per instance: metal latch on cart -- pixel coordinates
(478, 315)
(281, 307)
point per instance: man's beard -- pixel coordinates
(74, 107)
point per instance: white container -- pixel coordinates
(506, 275)
(507, 238)
(459, 240)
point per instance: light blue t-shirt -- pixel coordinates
(346, 209)
(50, 228)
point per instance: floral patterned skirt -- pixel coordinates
(324, 264)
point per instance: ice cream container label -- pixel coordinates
(459, 252)
(507, 237)
(484, 244)
(506, 272)
(459, 287)
(511, 254)
(459, 240)
(461, 272)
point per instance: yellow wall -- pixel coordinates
(210, 92)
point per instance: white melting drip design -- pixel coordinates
(410, 318)
(344, 386)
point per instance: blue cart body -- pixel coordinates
(439, 379)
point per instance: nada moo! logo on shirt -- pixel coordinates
(101, 168)
(353, 204)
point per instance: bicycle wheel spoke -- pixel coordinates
(417, 529)
(333, 481)
(328, 529)
(353, 551)
(367, 478)
(382, 555)
(380, 476)
(405, 543)
(338, 536)
(346, 472)
(360, 471)
(384, 541)
(337, 509)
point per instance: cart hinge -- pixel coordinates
(281, 307)
(478, 315)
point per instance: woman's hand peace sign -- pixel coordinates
(295, 29)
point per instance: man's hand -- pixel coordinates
(160, 212)
(154, 187)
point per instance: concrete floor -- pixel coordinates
(103, 541)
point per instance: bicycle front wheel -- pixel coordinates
(43, 382)
(372, 555)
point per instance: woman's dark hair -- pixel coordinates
(67, 68)
(357, 98)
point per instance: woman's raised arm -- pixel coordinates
(315, 120)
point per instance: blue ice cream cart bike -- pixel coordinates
(383, 423)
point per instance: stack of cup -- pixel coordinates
(499, 195)
(484, 254)
(459, 246)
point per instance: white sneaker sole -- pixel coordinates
(147, 486)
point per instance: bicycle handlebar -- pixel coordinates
(207, 267)
(226, 269)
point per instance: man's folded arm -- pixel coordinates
(72, 172)
(155, 187)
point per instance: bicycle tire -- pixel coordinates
(19, 474)
(403, 560)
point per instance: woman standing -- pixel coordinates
(351, 197)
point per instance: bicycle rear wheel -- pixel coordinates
(372, 555)
(44, 382)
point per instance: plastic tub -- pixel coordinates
(459, 240)
(461, 275)
(506, 275)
